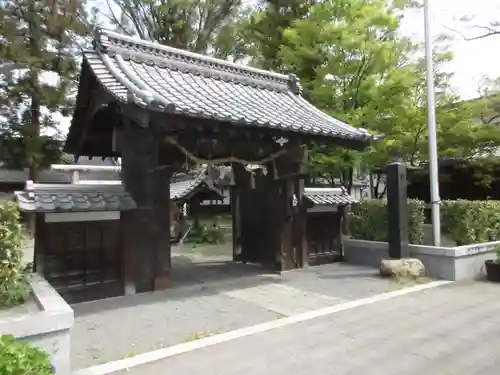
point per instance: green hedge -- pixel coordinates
(469, 222)
(14, 285)
(19, 357)
(368, 220)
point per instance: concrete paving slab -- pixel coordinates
(450, 330)
(214, 296)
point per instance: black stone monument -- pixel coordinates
(397, 211)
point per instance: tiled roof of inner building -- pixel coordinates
(73, 198)
(327, 196)
(182, 188)
(176, 81)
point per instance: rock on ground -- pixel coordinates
(402, 267)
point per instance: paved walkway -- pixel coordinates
(216, 297)
(449, 330)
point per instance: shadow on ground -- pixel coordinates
(193, 276)
(210, 294)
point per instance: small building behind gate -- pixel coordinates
(78, 244)
(78, 236)
(325, 213)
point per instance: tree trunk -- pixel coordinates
(33, 133)
(372, 196)
(375, 187)
(33, 137)
(33, 127)
(350, 174)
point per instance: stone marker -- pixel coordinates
(408, 267)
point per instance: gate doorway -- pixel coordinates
(324, 240)
(83, 260)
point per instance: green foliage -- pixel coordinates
(39, 67)
(368, 220)
(265, 30)
(14, 286)
(469, 222)
(497, 254)
(13, 153)
(206, 234)
(20, 358)
(354, 64)
(206, 26)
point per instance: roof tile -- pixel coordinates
(328, 196)
(74, 198)
(172, 80)
(183, 189)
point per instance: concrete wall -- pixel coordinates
(46, 324)
(447, 263)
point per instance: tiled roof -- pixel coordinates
(185, 187)
(328, 196)
(74, 198)
(176, 81)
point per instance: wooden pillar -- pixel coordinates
(241, 219)
(146, 230)
(271, 215)
(161, 212)
(343, 224)
(195, 212)
(288, 253)
(294, 252)
(236, 222)
(300, 227)
(36, 241)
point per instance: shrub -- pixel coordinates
(20, 358)
(14, 286)
(205, 234)
(467, 222)
(368, 220)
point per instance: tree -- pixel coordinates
(354, 64)
(265, 28)
(480, 31)
(13, 152)
(202, 26)
(38, 42)
(487, 105)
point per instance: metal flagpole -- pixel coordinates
(431, 119)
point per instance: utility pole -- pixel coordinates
(431, 119)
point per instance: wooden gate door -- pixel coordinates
(324, 237)
(83, 260)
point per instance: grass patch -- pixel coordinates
(400, 282)
(281, 316)
(130, 354)
(200, 335)
(224, 249)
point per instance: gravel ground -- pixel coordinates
(117, 328)
(207, 301)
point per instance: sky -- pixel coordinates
(473, 60)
